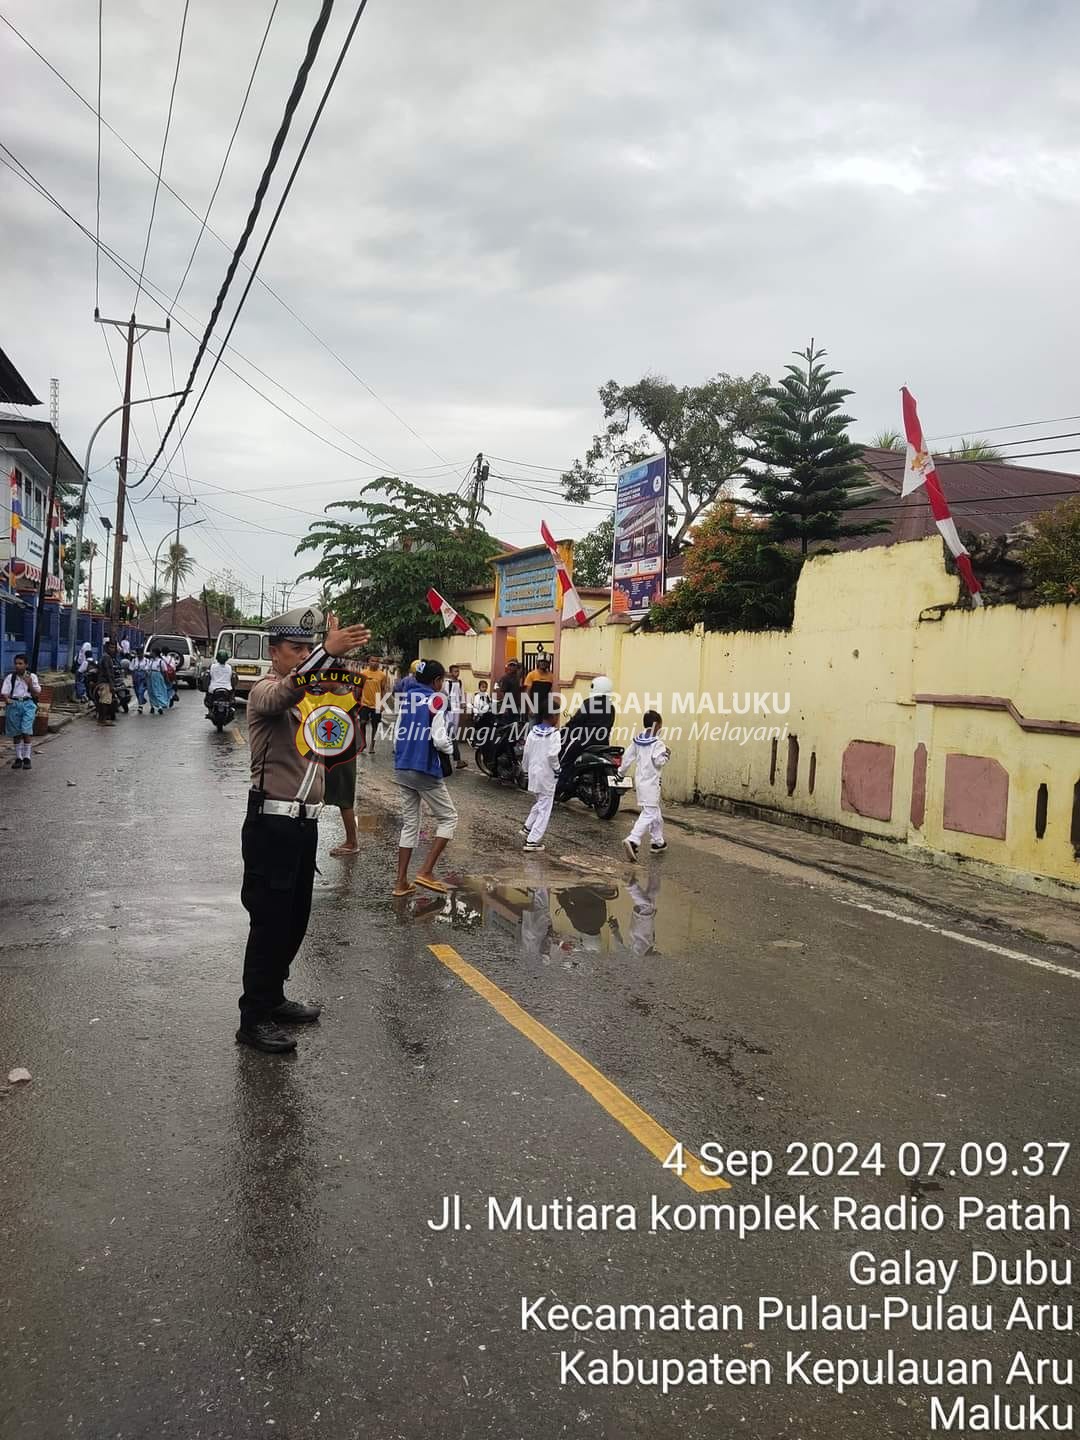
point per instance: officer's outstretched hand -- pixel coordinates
(340, 642)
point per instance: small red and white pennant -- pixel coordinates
(570, 601)
(919, 469)
(450, 617)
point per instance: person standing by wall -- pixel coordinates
(422, 757)
(20, 691)
(281, 836)
(538, 686)
(455, 696)
(372, 697)
(109, 681)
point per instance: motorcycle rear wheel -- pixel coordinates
(606, 799)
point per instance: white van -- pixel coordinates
(249, 650)
(181, 645)
(249, 653)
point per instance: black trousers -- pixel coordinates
(279, 872)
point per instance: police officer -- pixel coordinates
(281, 833)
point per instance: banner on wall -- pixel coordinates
(637, 571)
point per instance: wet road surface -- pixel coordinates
(201, 1241)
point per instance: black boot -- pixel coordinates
(294, 1012)
(265, 1035)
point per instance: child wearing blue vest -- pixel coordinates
(420, 742)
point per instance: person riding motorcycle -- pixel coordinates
(221, 678)
(591, 725)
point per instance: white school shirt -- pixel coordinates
(20, 689)
(647, 756)
(540, 760)
(221, 676)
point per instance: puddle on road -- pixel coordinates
(559, 921)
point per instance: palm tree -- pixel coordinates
(888, 440)
(976, 448)
(178, 566)
(153, 600)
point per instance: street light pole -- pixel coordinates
(73, 619)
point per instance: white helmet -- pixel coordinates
(601, 685)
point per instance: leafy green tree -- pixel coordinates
(889, 440)
(734, 579)
(974, 448)
(1053, 557)
(153, 600)
(403, 540)
(808, 470)
(178, 566)
(702, 429)
(592, 554)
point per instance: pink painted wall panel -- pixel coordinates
(976, 796)
(866, 779)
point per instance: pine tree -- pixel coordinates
(810, 468)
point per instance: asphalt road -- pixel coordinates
(201, 1241)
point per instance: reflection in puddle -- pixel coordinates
(552, 923)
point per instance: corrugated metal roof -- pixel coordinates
(987, 497)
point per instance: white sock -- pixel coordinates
(22, 749)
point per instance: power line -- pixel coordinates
(995, 429)
(295, 95)
(225, 161)
(126, 268)
(164, 143)
(221, 241)
(346, 43)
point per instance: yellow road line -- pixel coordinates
(609, 1097)
(239, 738)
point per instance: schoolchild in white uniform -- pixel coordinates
(540, 761)
(647, 756)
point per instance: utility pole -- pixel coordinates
(39, 616)
(480, 472)
(133, 339)
(179, 502)
(262, 596)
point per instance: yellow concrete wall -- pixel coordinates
(865, 641)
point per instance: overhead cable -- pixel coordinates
(295, 95)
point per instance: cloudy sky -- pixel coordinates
(508, 204)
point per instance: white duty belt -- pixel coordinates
(291, 809)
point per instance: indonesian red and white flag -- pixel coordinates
(569, 600)
(919, 469)
(450, 617)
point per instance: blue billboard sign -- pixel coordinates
(637, 571)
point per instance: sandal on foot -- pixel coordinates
(436, 885)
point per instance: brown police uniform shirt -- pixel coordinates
(273, 721)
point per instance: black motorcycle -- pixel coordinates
(592, 776)
(220, 709)
(498, 742)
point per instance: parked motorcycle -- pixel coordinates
(220, 709)
(498, 743)
(592, 776)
